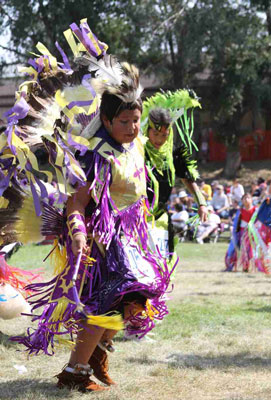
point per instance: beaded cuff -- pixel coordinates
(76, 224)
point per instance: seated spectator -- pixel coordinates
(184, 199)
(227, 189)
(255, 189)
(206, 190)
(214, 186)
(172, 204)
(173, 195)
(264, 192)
(188, 202)
(262, 184)
(236, 191)
(179, 218)
(220, 202)
(206, 228)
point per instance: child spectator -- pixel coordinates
(236, 191)
(206, 190)
(179, 218)
(220, 202)
(241, 221)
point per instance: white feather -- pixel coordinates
(111, 71)
(45, 125)
(92, 127)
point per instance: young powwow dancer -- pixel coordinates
(104, 190)
(239, 252)
(160, 113)
(255, 247)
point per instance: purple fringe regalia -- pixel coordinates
(51, 111)
(115, 221)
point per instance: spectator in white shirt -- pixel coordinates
(220, 202)
(237, 191)
(180, 217)
(206, 228)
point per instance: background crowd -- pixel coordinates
(223, 202)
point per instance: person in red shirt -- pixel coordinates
(234, 256)
(247, 210)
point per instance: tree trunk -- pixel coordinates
(233, 163)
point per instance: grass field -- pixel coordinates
(215, 343)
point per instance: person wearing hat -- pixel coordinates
(182, 194)
(188, 202)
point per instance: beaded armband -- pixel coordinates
(76, 224)
(200, 199)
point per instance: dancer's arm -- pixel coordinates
(76, 204)
(193, 188)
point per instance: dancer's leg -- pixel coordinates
(87, 340)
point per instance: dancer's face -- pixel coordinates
(247, 201)
(158, 138)
(125, 127)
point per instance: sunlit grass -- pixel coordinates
(214, 344)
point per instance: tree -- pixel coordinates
(239, 50)
(175, 40)
(45, 20)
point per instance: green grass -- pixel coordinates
(31, 257)
(213, 345)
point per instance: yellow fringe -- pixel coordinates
(4, 202)
(114, 322)
(105, 321)
(59, 310)
(66, 343)
(58, 258)
(137, 308)
(150, 310)
(28, 226)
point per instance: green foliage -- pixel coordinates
(173, 39)
(33, 21)
(240, 63)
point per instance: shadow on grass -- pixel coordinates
(22, 388)
(187, 361)
(4, 341)
(266, 309)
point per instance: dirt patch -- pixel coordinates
(250, 171)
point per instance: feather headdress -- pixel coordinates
(118, 79)
(53, 109)
(180, 104)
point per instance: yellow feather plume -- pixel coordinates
(58, 258)
(27, 218)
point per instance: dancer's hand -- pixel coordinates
(203, 213)
(79, 244)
